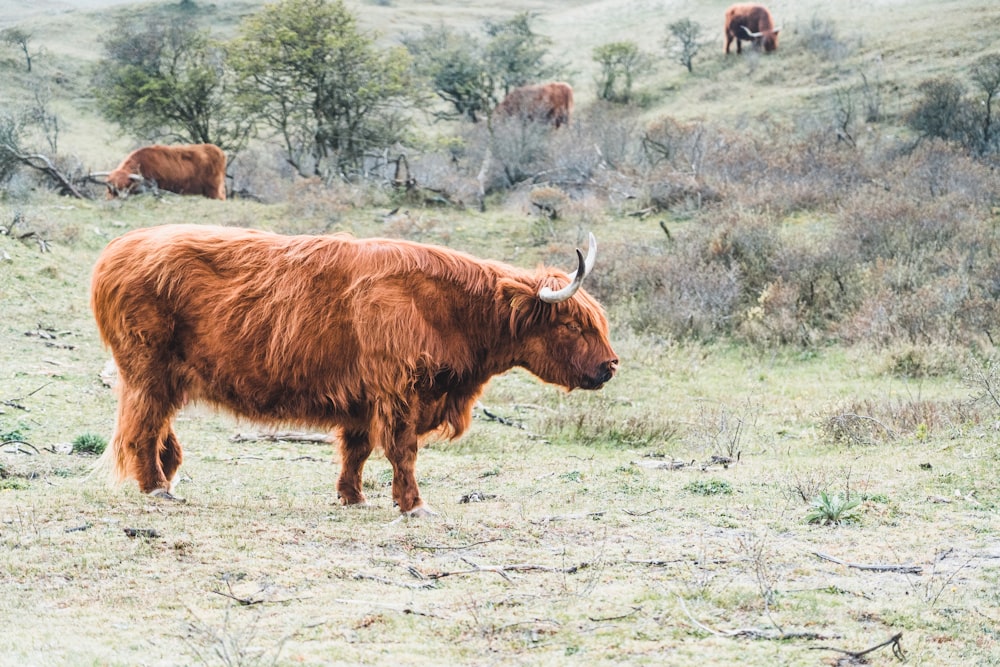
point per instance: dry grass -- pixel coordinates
(588, 534)
(583, 528)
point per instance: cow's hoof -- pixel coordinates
(164, 494)
(419, 512)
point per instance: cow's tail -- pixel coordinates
(110, 466)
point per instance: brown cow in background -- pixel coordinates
(384, 341)
(751, 23)
(550, 103)
(197, 169)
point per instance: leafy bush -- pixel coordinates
(709, 487)
(89, 443)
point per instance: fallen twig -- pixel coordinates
(246, 602)
(502, 570)
(287, 436)
(401, 608)
(389, 582)
(567, 517)
(663, 465)
(904, 569)
(446, 547)
(753, 633)
(897, 648)
(501, 420)
(635, 610)
(16, 402)
(671, 561)
(647, 512)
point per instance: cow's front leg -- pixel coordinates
(355, 448)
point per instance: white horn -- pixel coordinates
(751, 34)
(585, 266)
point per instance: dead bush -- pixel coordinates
(776, 319)
(871, 421)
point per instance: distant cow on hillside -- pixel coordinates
(198, 169)
(550, 103)
(751, 23)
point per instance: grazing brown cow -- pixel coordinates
(383, 341)
(751, 23)
(550, 103)
(197, 169)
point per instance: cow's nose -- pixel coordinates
(608, 370)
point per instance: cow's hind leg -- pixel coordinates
(355, 448)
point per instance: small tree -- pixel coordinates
(455, 70)
(18, 38)
(684, 42)
(169, 81)
(515, 53)
(986, 77)
(473, 73)
(320, 84)
(621, 63)
(11, 128)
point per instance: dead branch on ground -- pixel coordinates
(361, 576)
(753, 633)
(437, 547)
(894, 641)
(567, 517)
(18, 447)
(41, 163)
(287, 436)
(502, 570)
(905, 569)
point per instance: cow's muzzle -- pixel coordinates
(605, 372)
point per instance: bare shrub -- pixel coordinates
(922, 361)
(871, 421)
(603, 136)
(723, 431)
(681, 146)
(983, 376)
(749, 241)
(441, 171)
(259, 173)
(775, 319)
(944, 112)
(820, 37)
(520, 150)
(693, 297)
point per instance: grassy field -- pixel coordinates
(660, 521)
(583, 529)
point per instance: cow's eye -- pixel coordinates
(574, 327)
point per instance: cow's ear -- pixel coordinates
(521, 301)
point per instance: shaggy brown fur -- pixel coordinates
(545, 102)
(383, 340)
(744, 21)
(198, 169)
